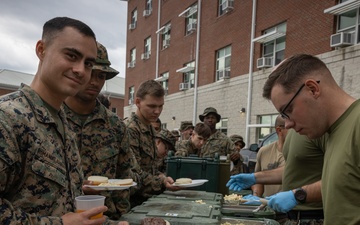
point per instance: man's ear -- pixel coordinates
(313, 86)
(137, 101)
(40, 49)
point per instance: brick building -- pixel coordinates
(10, 81)
(219, 53)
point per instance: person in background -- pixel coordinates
(186, 129)
(193, 145)
(165, 142)
(156, 125)
(104, 100)
(40, 164)
(218, 142)
(176, 134)
(149, 101)
(239, 144)
(270, 157)
(101, 135)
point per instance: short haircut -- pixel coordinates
(150, 87)
(52, 27)
(202, 130)
(292, 71)
(279, 121)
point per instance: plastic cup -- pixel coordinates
(86, 202)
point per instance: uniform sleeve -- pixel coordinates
(258, 161)
(10, 170)
(181, 149)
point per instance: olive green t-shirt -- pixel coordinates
(304, 161)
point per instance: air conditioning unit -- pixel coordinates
(166, 43)
(145, 55)
(223, 74)
(183, 86)
(131, 101)
(131, 64)
(132, 26)
(147, 12)
(228, 5)
(191, 27)
(341, 39)
(264, 62)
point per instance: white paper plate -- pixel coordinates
(194, 183)
(111, 188)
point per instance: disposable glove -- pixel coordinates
(241, 181)
(282, 201)
(254, 200)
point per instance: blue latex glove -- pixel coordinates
(282, 201)
(253, 198)
(241, 181)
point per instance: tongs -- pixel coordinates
(262, 200)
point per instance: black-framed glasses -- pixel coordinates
(282, 113)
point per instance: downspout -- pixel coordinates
(197, 63)
(251, 62)
(158, 42)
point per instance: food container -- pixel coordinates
(247, 221)
(211, 198)
(244, 210)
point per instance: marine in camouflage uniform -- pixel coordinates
(142, 144)
(218, 142)
(165, 142)
(185, 148)
(101, 136)
(35, 178)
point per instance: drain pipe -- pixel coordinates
(251, 62)
(197, 63)
(158, 42)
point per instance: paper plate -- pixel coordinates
(111, 188)
(194, 183)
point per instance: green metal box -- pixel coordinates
(195, 168)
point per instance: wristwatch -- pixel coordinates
(300, 195)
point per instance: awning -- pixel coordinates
(269, 36)
(343, 7)
(185, 69)
(162, 78)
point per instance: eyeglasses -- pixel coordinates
(282, 113)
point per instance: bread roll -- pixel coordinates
(183, 181)
(96, 180)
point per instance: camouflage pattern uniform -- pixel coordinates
(104, 149)
(185, 148)
(40, 166)
(142, 144)
(217, 143)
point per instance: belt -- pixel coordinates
(305, 214)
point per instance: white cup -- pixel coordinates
(86, 202)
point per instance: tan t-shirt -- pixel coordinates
(268, 158)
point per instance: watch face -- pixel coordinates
(300, 195)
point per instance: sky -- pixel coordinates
(21, 23)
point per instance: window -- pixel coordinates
(266, 120)
(191, 19)
(223, 60)
(222, 125)
(165, 81)
(148, 5)
(132, 25)
(114, 110)
(131, 64)
(147, 48)
(275, 48)
(225, 6)
(189, 77)
(348, 22)
(166, 35)
(131, 95)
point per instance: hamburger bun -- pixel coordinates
(96, 180)
(183, 181)
(123, 182)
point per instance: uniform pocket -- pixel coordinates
(46, 170)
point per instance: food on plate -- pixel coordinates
(154, 221)
(96, 180)
(233, 199)
(119, 182)
(183, 181)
